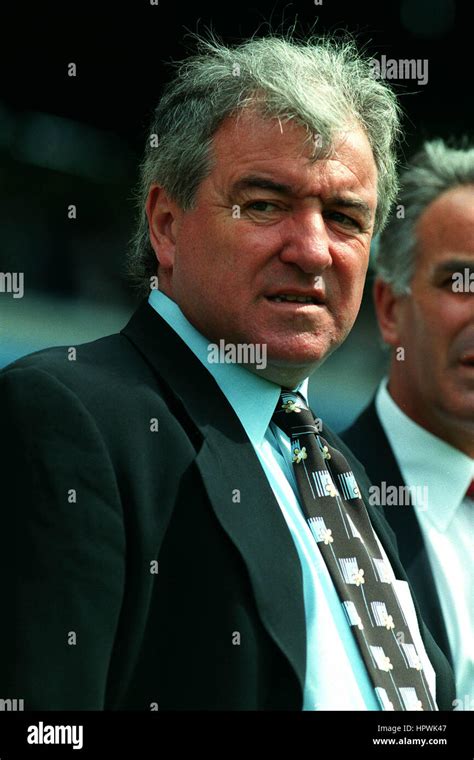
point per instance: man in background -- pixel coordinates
(418, 431)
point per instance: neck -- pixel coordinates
(285, 376)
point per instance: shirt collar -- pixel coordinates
(425, 459)
(253, 398)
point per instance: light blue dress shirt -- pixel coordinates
(439, 475)
(336, 677)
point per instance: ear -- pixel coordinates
(162, 215)
(387, 308)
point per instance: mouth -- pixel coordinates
(296, 300)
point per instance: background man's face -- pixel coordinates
(436, 325)
(316, 222)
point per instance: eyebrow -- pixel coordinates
(254, 180)
(263, 183)
(453, 265)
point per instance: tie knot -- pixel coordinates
(470, 490)
(292, 414)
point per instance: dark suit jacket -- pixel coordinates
(366, 438)
(93, 494)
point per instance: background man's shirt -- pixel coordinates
(446, 519)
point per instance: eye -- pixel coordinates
(447, 283)
(347, 221)
(257, 205)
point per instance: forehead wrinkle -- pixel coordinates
(291, 168)
(291, 181)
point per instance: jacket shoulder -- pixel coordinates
(108, 366)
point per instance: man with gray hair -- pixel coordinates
(418, 432)
(173, 543)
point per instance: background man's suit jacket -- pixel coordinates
(92, 496)
(366, 438)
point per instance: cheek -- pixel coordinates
(225, 252)
(434, 319)
(429, 331)
(249, 249)
(351, 261)
(197, 259)
(349, 276)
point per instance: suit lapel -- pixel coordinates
(258, 529)
(237, 487)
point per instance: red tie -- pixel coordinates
(470, 490)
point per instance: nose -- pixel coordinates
(305, 242)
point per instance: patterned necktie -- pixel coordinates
(338, 520)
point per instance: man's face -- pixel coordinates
(435, 324)
(268, 223)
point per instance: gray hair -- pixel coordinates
(320, 83)
(435, 169)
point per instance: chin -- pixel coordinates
(298, 356)
(461, 407)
